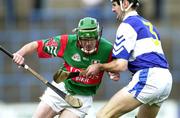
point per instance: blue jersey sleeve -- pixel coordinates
(125, 41)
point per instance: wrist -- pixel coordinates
(101, 67)
(20, 54)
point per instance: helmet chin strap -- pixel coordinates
(123, 10)
(85, 51)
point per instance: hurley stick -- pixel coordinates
(74, 102)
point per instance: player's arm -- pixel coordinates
(18, 57)
(117, 65)
(28, 48)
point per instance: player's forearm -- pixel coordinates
(28, 48)
(114, 66)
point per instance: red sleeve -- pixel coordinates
(110, 56)
(41, 53)
(63, 41)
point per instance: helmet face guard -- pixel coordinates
(88, 34)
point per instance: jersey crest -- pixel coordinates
(51, 42)
(76, 57)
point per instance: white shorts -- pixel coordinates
(151, 86)
(58, 104)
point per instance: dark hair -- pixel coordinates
(135, 2)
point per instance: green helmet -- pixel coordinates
(88, 28)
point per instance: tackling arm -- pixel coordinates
(117, 65)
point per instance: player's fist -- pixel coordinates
(114, 76)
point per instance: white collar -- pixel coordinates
(131, 13)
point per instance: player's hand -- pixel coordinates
(92, 70)
(114, 76)
(18, 59)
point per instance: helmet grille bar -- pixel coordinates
(88, 28)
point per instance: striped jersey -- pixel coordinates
(138, 41)
(65, 46)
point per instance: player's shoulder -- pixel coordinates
(105, 45)
(134, 21)
(105, 41)
(70, 37)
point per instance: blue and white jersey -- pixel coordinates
(138, 41)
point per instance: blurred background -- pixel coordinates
(23, 21)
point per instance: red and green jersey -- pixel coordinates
(65, 46)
